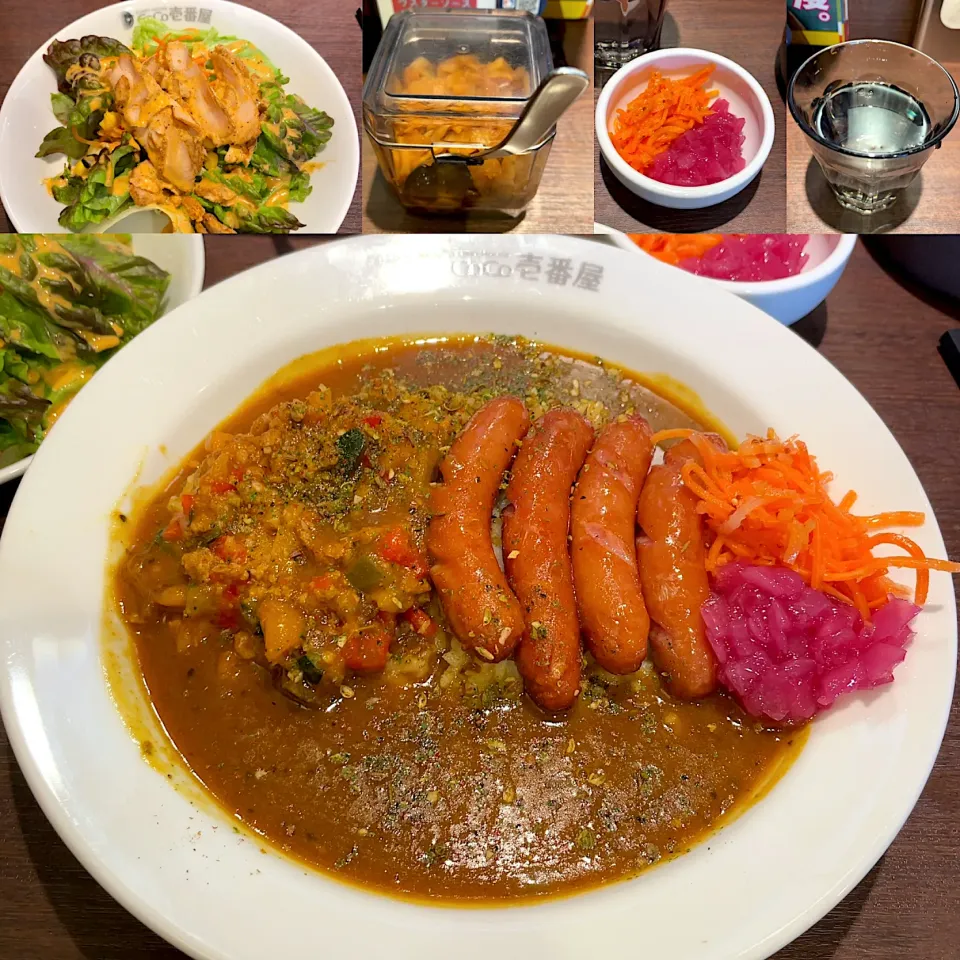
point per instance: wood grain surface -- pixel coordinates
(884, 19)
(329, 26)
(882, 335)
(928, 205)
(748, 32)
(564, 202)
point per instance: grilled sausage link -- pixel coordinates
(613, 615)
(673, 575)
(536, 522)
(482, 610)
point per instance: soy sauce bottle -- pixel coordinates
(811, 26)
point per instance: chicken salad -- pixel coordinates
(193, 123)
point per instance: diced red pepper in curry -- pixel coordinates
(422, 622)
(367, 651)
(230, 549)
(396, 546)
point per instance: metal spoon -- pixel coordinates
(445, 184)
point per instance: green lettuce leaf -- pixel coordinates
(15, 444)
(149, 30)
(61, 140)
(99, 286)
(255, 188)
(82, 123)
(269, 161)
(298, 138)
(300, 186)
(62, 106)
(127, 289)
(63, 54)
(25, 326)
(13, 364)
(22, 408)
(89, 199)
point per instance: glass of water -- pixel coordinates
(874, 111)
(625, 29)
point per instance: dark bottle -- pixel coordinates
(811, 26)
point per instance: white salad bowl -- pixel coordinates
(26, 117)
(747, 100)
(786, 300)
(177, 863)
(183, 258)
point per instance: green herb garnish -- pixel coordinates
(350, 446)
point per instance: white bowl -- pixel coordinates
(786, 300)
(745, 95)
(184, 259)
(180, 867)
(25, 117)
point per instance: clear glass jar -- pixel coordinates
(456, 82)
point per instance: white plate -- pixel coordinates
(25, 116)
(757, 884)
(184, 259)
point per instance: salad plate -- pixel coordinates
(183, 259)
(298, 173)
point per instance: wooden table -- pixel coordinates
(329, 26)
(884, 19)
(748, 32)
(884, 339)
(564, 202)
(928, 205)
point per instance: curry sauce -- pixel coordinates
(248, 578)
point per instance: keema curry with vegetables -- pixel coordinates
(437, 618)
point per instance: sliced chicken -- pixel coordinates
(168, 134)
(187, 81)
(239, 94)
(212, 225)
(148, 190)
(241, 153)
(193, 208)
(215, 192)
(124, 68)
(175, 150)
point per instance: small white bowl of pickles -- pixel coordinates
(817, 263)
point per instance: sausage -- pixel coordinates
(535, 527)
(480, 607)
(673, 575)
(613, 616)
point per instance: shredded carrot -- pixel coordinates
(673, 247)
(664, 111)
(767, 503)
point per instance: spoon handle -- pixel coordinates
(551, 99)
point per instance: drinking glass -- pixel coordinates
(625, 29)
(874, 111)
